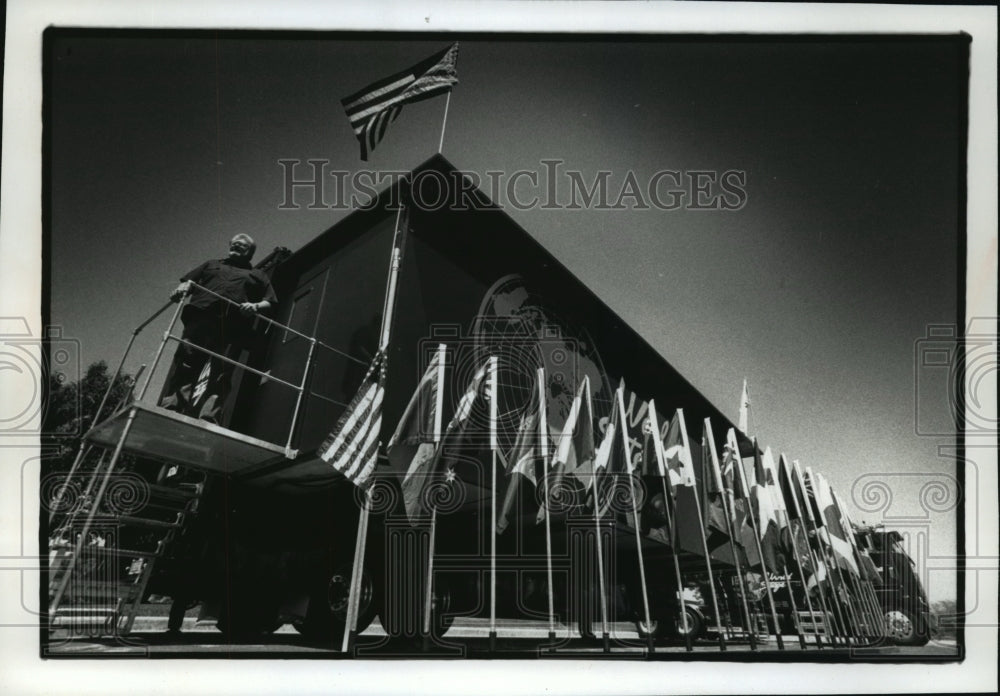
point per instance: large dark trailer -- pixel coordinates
(258, 526)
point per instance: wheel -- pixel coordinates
(402, 614)
(904, 627)
(326, 617)
(664, 629)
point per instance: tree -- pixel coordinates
(71, 406)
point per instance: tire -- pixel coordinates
(326, 617)
(402, 614)
(905, 627)
(665, 629)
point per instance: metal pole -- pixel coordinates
(351, 624)
(730, 517)
(298, 399)
(444, 121)
(64, 583)
(638, 529)
(795, 609)
(667, 505)
(430, 579)
(159, 351)
(543, 432)
(798, 562)
(493, 549)
(760, 552)
(704, 540)
(600, 567)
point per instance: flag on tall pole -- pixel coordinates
(574, 452)
(352, 446)
(412, 446)
(523, 461)
(763, 505)
(680, 474)
(744, 410)
(416, 481)
(739, 499)
(373, 108)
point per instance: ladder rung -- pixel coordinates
(122, 553)
(126, 519)
(171, 492)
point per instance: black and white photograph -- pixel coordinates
(466, 344)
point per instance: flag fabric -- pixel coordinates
(655, 512)
(795, 529)
(352, 447)
(575, 451)
(764, 512)
(574, 454)
(866, 565)
(721, 546)
(687, 524)
(739, 501)
(842, 548)
(523, 458)
(435, 469)
(415, 440)
(373, 108)
(744, 409)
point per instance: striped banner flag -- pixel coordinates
(352, 447)
(373, 108)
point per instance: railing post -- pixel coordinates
(159, 351)
(298, 400)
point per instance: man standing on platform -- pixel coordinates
(225, 295)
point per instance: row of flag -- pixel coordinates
(781, 521)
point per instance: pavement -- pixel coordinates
(468, 637)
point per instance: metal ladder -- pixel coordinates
(103, 553)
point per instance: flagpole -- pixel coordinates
(667, 505)
(605, 638)
(783, 463)
(543, 436)
(638, 530)
(730, 516)
(760, 552)
(704, 540)
(836, 613)
(600, 566)
(444, 121)
(833, 569)
(795, 609)
(388, 305)
(493, 503)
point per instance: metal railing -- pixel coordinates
(169, 336)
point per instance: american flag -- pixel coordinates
(373, 108)
(352, 447)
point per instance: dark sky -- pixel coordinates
(817, 290)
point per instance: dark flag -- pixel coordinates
(523, 459)
(739, 499)
(713, 507)
(763, 489)
(435, 470)
(374, 107)
(793, 510)
(843, 551)
(352, 447)
(574, 454)
(412, 446)
(680, 474)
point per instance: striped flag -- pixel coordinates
(352, 447)
(374, 107)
